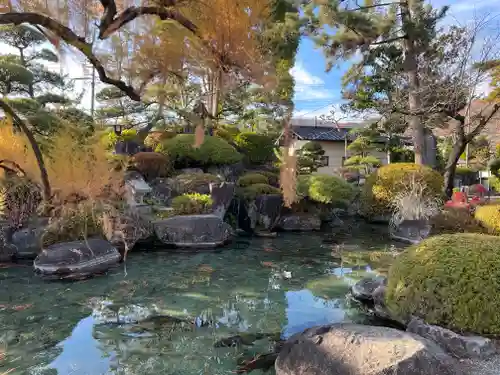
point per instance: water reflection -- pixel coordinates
(116, 324)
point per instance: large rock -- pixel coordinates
(455, 344)
(229, 173)
(364, 289)
(222, 195)
(411, 231)
(268, 210)
(28, 242)
(161, 191)
(76, 260)
(299, 222)
(6, 248)
(351, 349)
(193, 231)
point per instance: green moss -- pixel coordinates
(450, 280)
(489, 217)
(192, 204)
(193, 182)
(213, 151)
(251, 192)
(257, 148)
(325, 189)
(252, 179)
(382, 185)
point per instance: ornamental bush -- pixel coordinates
(257, 148)
(252, 179)
(253, 191)
(213, 151)
(325, 189)
(192, 204)
(382, 185)
(450, 280)
(151, 164)
(489, 217)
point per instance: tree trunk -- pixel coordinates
(411, 68)
(44, 177)
(451, 166)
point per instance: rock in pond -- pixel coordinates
(410, 231)
(6, 248)
(299, 223)
(76, 260)
(364, 289)
(465, 347)
(28, 242)
(193, 231)
(352, 349)
(222, 194)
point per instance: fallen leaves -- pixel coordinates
(205, 268)
(268, 264)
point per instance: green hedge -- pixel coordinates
(252, 179)
(450, 280)
(213, 151)
(325, 189)
(253, 191)
(382, 185)
(257, 148)
(192, 204)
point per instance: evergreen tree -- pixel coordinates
(310, 157)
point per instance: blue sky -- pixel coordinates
(318, 92)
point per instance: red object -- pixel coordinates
(459, 197)
(452, 204)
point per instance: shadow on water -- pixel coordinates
(281, 285)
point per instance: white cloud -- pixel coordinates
(308, 86)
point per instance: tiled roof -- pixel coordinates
(322, 133)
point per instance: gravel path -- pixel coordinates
(484, 367)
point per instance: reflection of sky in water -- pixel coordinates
(81, 354)
(344, 273)
(305, 310)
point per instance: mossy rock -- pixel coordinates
(489, 217)
(450, 280)
(213, 151)
(249, 179)
(195, 182)
(192, 204)
(383, 185)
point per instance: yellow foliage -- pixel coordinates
(73, 167)
(489, 217)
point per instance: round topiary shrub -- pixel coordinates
(388, 181)
(489, 217)
(253, 191)
(151, 165)
(213, 151)
(153, 139)
(257, 148)
(252, 179)
(450, 280)
(273, 177)
(192, 204)
(325, 189)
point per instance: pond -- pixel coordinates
(281, 285)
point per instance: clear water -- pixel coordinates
(281, 285)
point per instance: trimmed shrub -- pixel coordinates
(192, 204)
(489, 217)
(257, 148)
(450, 280)
(273, 177)
(252, 179)
(382, 185)
(151, 165)
(253, 191)
(153, 139)
(73, 223)
(213, 151)
(228, 133)
(194, 182)
(325, 189)
(455, 220)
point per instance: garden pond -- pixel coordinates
(277, 285)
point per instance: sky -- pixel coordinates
(316, 91)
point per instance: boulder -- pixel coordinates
(28, 242)
(222, 195)
(268, 210)
(193, 231)
(299, 222)
(464, 347)
(351, 349)
(364, 289)
(76, 260)
(411, 231)
(161, 191)
(229, 173)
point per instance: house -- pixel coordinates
(334, 139)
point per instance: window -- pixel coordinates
(324, 161)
